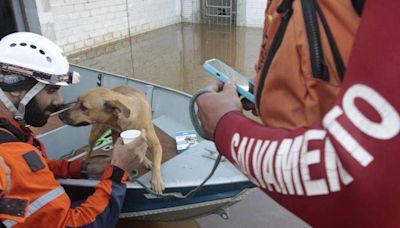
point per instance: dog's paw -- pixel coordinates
(147, 164)
(157, 185)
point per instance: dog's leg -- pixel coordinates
(155, 147)
(147, 163)
(114, 135)
(95, 133)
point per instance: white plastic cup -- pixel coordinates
(129, 135)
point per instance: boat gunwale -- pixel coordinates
(132, 79)
(132, 185)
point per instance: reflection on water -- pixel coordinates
(173, 56)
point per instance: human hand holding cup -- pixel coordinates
(129, 150)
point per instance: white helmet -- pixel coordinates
(32, 55)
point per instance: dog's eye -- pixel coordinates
(83, 108)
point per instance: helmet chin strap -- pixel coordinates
(19, 114)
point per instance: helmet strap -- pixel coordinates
(28, 97)
(20, 113)
(9, 105)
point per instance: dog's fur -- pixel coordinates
(121, 108)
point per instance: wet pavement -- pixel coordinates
(173, 57)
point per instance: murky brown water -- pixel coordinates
(173, 56)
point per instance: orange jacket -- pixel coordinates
(60, 168)
(37, 199)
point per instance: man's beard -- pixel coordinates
(35, 116)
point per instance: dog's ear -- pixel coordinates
(116, 107)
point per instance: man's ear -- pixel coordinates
(116, 107)
(15, 96)
(17, 93)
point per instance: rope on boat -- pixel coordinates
(192, 111)
(199, 130)
(188, 195)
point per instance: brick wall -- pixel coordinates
(77, 25)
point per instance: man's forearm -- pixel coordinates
(103, 207)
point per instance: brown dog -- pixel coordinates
(120, 109)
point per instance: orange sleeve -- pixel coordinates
(103, 207)
(65, 169)
(3, 177)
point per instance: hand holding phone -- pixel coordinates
(224, 73)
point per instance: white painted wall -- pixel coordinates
(255, 13)
(77, 25)
(241, 13)
(251, 13)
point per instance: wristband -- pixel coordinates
(117, 174)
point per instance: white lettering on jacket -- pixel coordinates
(285, 167)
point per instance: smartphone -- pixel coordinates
(225, 73)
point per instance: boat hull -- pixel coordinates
(141, 205)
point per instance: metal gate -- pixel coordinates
(222, 12)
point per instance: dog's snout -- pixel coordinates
(63, 115)
(66, 118)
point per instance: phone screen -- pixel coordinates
(241, 80)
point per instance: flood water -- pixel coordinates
(173, 56)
